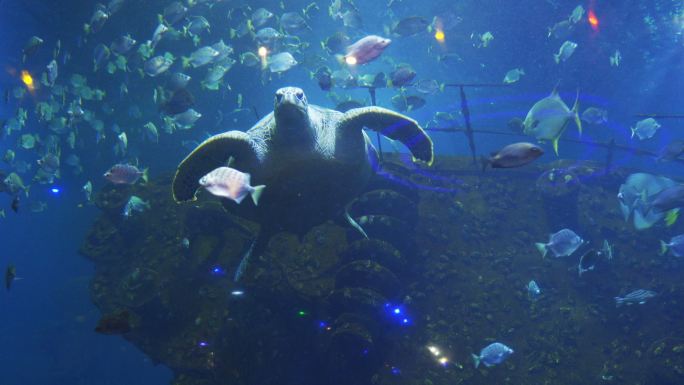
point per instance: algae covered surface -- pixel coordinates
(450, 250)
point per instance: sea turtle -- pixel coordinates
(313, 160)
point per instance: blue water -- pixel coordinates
(46, 328)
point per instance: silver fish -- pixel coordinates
(565, 51)
(232, 184)
(561, 244)
(281, 62)
(639, 296)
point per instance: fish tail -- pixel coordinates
(256, 193)
(145, 176)
(619, 301)
(633, 129)
(663, 248)
(555, 145)
(575, 111)
(185, 61)
(340, 59)
(541, 247)
(671, 217)
(476, 360)
(556, 58)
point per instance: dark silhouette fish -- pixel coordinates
(180, 101)
(15, 204)
(411, 26)
(588, 261)
(513, 155)
(669, 198)
(10, 275)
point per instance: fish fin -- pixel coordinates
(185, 61)
(256, 193)
(575, 113)
(145, 176)
(555, 145)
(663, 248)
(633, 129)
(354, 224)
(671, 217)
(556, 58)
(618, 301)
(541, 247)
(476, 360)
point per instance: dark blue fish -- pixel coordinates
(588, 261)
(669, 198)
(639, 296)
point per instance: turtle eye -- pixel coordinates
(300, 95)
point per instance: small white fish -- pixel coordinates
(232, 184)
(615, 58)
(645, 129)
(281, 62)
(88, 190)
(576, 14)
(566, 50)
(513, 75)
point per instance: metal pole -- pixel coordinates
(469, 129)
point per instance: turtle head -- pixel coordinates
(291, 108)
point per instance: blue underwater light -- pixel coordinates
(54, 190)
(398, 314)
(218, 270)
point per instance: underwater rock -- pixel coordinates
(368, 274)
(356, 300)
(386, 202)
(388, 229)
(375, 250)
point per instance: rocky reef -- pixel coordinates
(448, 256)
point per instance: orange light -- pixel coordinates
(439, 36)
(263, 52)
(27, 79)
(593, 20)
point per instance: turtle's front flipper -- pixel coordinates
(212, 153)
(392, 125)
